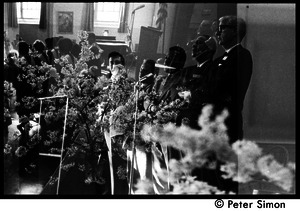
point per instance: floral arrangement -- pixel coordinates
(123, 120)
(7, 94)
(85, 125)
(242, 162)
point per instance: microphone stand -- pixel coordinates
(131, 30)
(134, 135)
(129, 34)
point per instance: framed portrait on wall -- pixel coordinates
(65, 22)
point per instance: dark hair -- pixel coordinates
(23, 48)
(39, 45)
(10, 55)
(151, 64)
(115, 54)
(65, 45)
(76, 50)
(49, 42)
(95, 50)
(238, 23)
(91, 38)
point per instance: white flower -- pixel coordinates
(247, 154)
(186, 95)
(275, 172)
(100, 111)
(247, 149)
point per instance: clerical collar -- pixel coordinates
(227, 51)
(200, 65)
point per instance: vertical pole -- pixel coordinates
(41, 101)
(132, 22)
(134, 135)
(109, 152)
(163, 41)
(62, 146)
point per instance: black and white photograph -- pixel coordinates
(149, 100)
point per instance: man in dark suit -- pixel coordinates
(226, 85)
(166, 87)
(194, 80)
(232, 74)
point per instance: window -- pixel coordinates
(28, 12)
(107, 14)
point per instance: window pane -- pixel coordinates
(30, 10)
(108, 16)
(31, 14)
(108, 12)
(100, 7)
(109, 7)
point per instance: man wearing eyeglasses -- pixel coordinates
(233, 72)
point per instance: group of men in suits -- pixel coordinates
(221, 82)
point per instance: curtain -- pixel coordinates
(124, 18)
(43, 16)
(12, 15)
(87, 23)
(183, 15)
(162, 14)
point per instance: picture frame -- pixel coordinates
(65, 22)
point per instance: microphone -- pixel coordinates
(143, 78)
(139, 7)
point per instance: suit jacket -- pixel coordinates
(195, 80)
(166, 87)
(229, 83)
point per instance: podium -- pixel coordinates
(147, 49)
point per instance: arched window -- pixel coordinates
(28, 12)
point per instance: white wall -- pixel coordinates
(76, 8)
(270, 102)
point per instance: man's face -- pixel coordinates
(169, 59)
(114, 61)
(145, 69)
(226, 33)
(199, 47)
(214, 26)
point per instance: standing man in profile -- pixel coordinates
(232, 74)
(195, 80)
